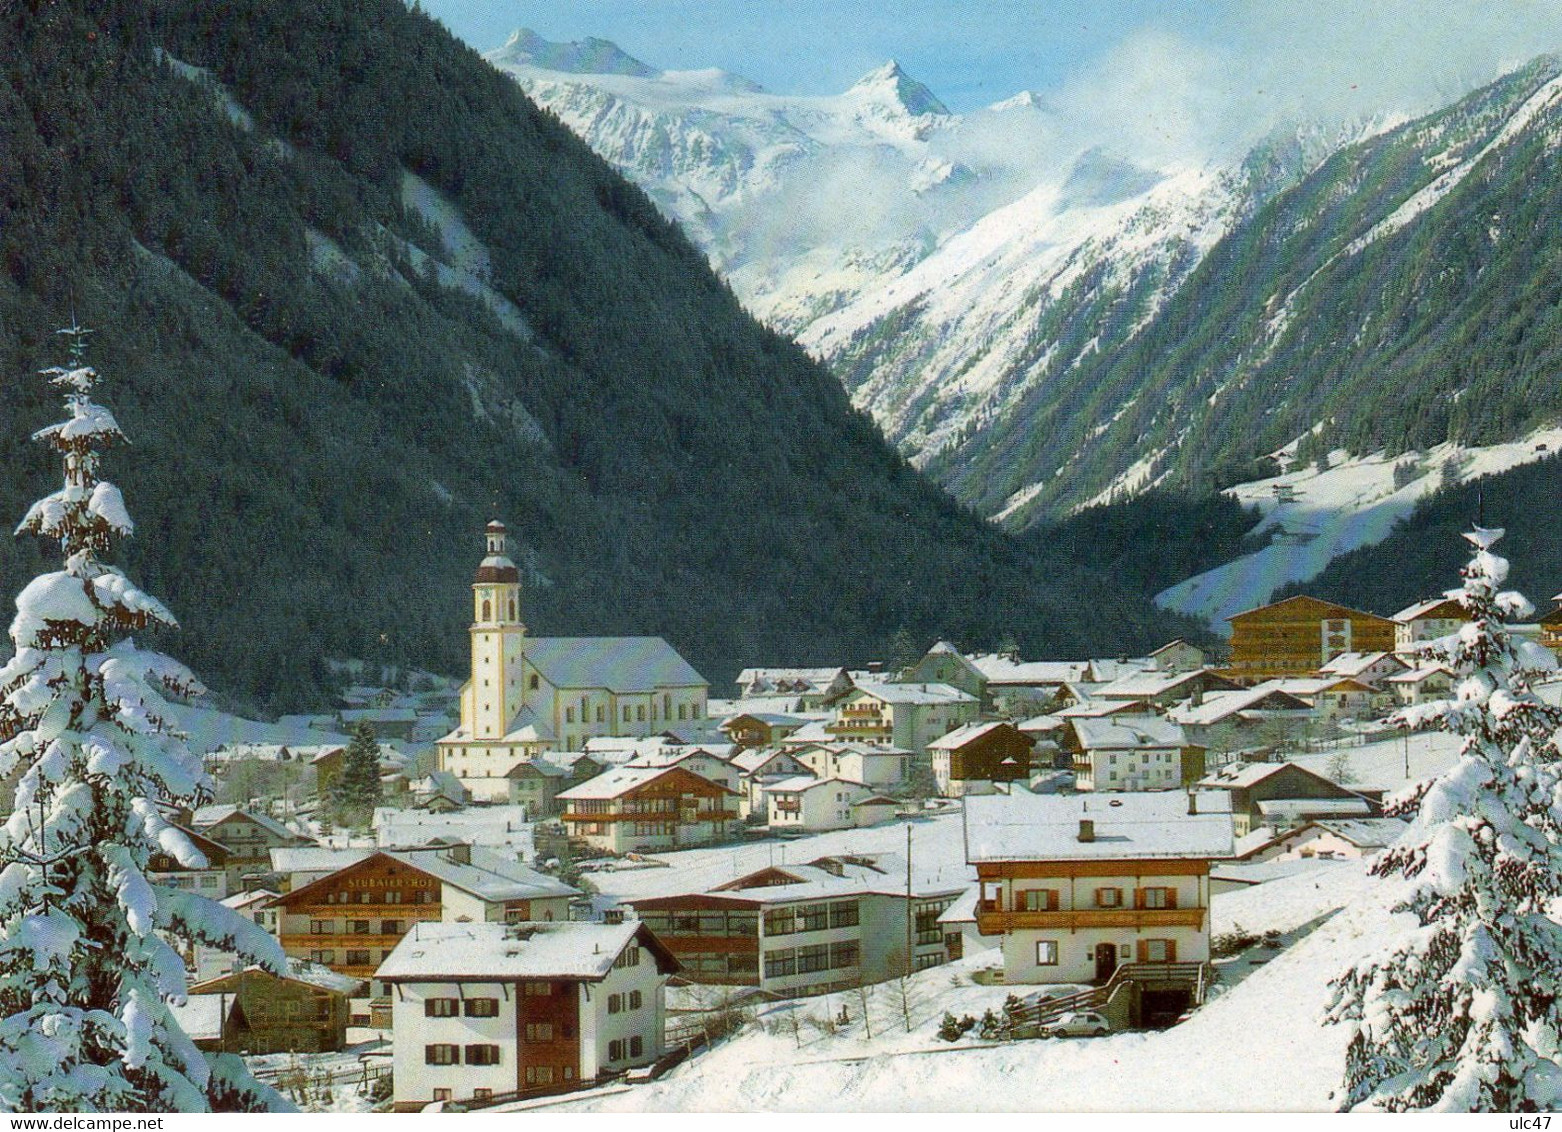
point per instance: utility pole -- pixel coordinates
(909, 906)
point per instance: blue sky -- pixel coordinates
(1212, 71)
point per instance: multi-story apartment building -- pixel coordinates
(807, 929)
(633, 808)
(1296, 636)
(1418, 625)
(1131, 752)
(481, 1011)
(351, 919)
(909, 716)
(1079, 885)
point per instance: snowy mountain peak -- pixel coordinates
(590, 56)
(890, 83)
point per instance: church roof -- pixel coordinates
(497, 568)
(619, 664)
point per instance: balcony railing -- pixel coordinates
(990, 921)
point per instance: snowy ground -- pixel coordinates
(1381, 765)
(1224, 1058)
(1353, 504)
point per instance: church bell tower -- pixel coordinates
(498, 640)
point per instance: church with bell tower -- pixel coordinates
(531, 695)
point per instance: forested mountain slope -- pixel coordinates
(355, 295)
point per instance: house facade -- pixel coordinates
(885, 767)
(1118, 753)
(630, 809)
(971, 759)
(1296, 636)
(908, 716)
(1418, 625)
(834, 923)
(1256, 787)
(481, 1011)
(527, 694)
(249, 838)
(814, 805)
(304, 1011)
(1078, 886)
(351, 919)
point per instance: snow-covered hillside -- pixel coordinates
(1313, 516)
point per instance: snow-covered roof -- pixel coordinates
(970, 732)
(249, 896)
(815, 731)
(963, 910)
(620, 664)
(813, 681)
(823, 878)
(925, 694)
(1140, 685)
(350, 716)
(1119, 732)
(1293, 809)
(1430, 606)
(1420, 675)
(802, 783)
(769, 718)
(1365, 833)
(208, 816)
(756, 759)
(1106, 670)
(617, 781)
(315, 858)
(1020, 826)
(488, 876)
(1003, 670)
(1355, 663)
(1259, 872)
(1218, 706)
(555, 950)
(201, 1015)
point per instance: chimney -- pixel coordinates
(459, 854)
(1087, 829)
(1193, 803)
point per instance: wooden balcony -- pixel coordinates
(991, 921)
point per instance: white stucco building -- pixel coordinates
(1078, 885)
(483, 1010)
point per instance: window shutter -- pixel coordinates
(1171, 951)
(1171, 897)
(1144, 952)
(1139, 900)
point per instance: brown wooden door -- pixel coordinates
(1106, 961)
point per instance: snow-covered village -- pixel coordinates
(545, 584)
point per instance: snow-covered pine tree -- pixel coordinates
(356, 790)
(1463, 1013)
(86, 972)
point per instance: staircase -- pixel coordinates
(1151, 976)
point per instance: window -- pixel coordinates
(539, 1031)
(1046, 953)
(615, 1050)
(392, 896)
(626, 713)
(482, 1008)
(1109, 898)
(357, 927)
(442, 1054)
(813, 917)
(601, 714)
(441, 1007)
(569, 715)
(482, 1055)
(441, 1094)
(843, 954)
(1038, 900)
(640, 714)
(779, 963)
(532, 683)
(358, 959)
(536, 989)
(1157, 898)
(815, 958)
(364, 897)
(630, 957)
(636, 1046)
(843, 915)
(780, 922)
(482, 1094)
(635, 999)
(320, 927)
(391, 927)
(542, 1074)
(615, 1003)
(1157, 951)
(327, 956)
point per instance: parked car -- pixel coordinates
(1077, 1024)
